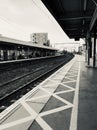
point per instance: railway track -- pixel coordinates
(21, 68)
(26, 83)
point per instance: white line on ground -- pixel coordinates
(64, 84)
(55, 110)
(29, 109)
(43, 124)
(70, 79)
(73, 123)
(32, 99)
(67, 91)
(17, 122)
(71, 76)
(57, 97)
(67, 86)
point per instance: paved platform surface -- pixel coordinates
(64, 101)
(87, 107)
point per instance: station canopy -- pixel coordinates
(76, 17)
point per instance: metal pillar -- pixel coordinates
(16, 53)
(88, 52)
(94, 51)
(28, 52)
(5, 54)
(90, 45)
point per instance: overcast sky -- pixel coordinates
(20, 18)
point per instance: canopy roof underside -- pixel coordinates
(76, 17)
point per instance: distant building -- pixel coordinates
(80, 49)
(39, 38)
(48, 43)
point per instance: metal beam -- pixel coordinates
(94, 51)
(94, 2)
(94, 18)
(90, 42)
(89, 47)
(75, 18)
(74, 14)
(88, 53)
(76, 28)
(67, 43)
(85, 5)
(74, 35)
(71, 29)
(61, 5)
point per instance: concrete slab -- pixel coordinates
(72, 77)
(23, 126)
(66, 80)
(59, 120)
(51, 90)
(61, 88)
(71, 84)
(35, 126)
(36, 106)
(19, 113)
(87, 110)
(52, 104)
(69, 96)
(42, 100)
(39, 93)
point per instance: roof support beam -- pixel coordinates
(75, 18)
(85, 5)
(94, 18)
(94, 51)
(73, 29)
(76, 35)
(94, 2)
(60, 3)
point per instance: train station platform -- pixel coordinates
(64, 101)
